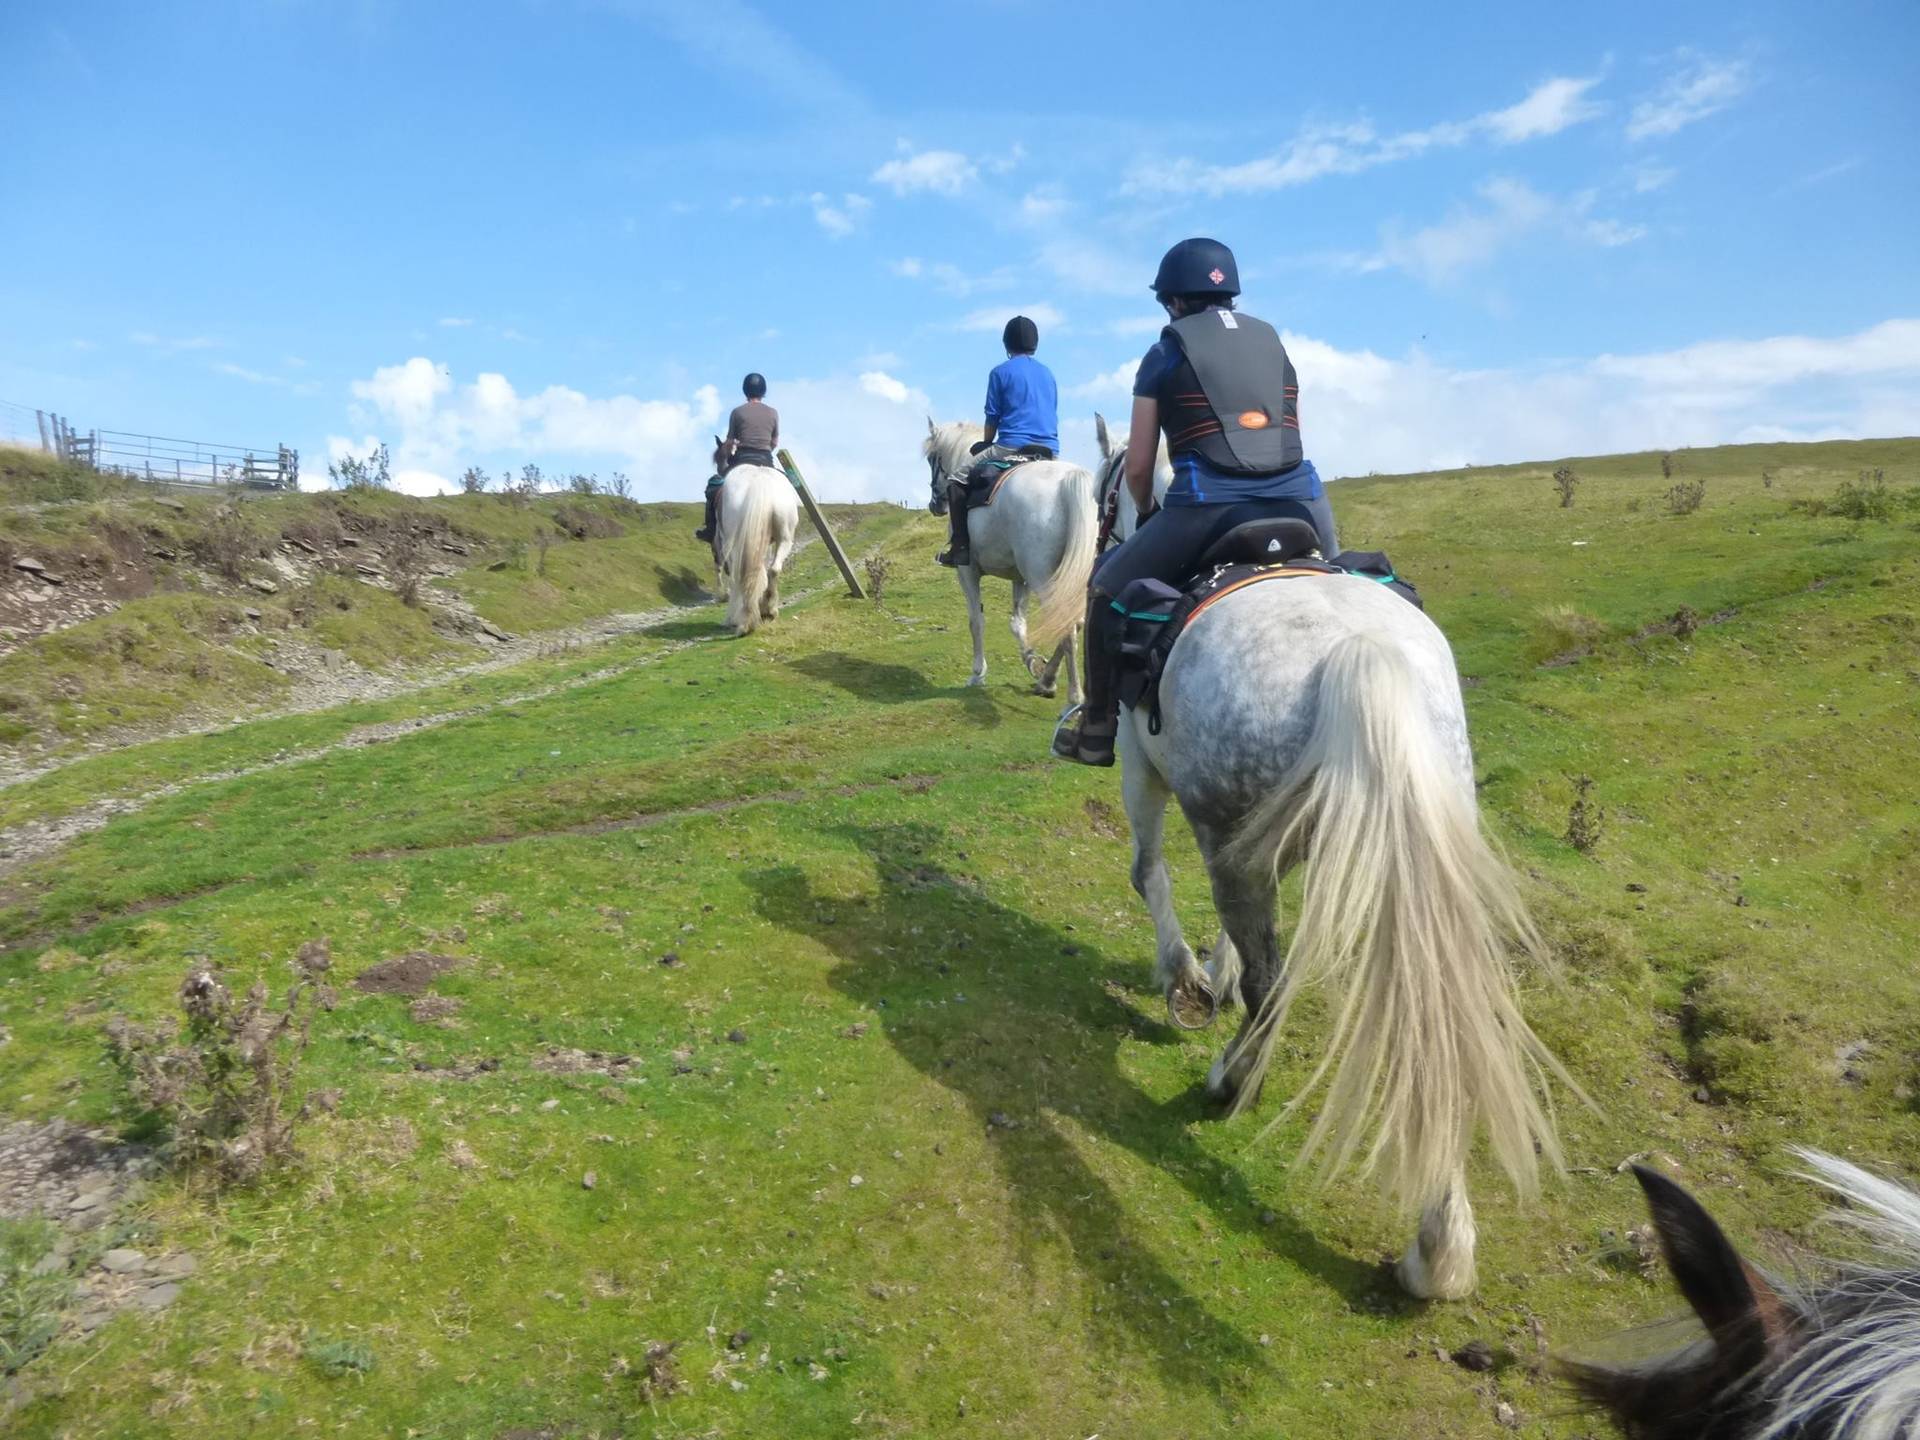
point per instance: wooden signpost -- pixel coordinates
(820, 524)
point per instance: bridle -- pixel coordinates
(1106, 496)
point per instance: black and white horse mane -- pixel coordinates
(1835, 1354)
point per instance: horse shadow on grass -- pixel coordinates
(682, 586)
(892, 684)
(1017, 1019)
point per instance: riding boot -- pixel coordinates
(1086, 734)
(705, 532)
(958, 552)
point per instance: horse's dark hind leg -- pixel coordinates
(1245, 906)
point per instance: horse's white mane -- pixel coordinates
(1860, 1371)
(950, 442)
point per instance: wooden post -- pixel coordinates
(820, 524)
(40, 419)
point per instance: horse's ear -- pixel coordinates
(1100, 432)
(1743, 1313)
(932, 433)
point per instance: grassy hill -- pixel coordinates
(803, 1019)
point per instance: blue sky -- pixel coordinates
(559, 232)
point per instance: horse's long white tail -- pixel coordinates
(1061, 599)
(749, 548)
(1406, 918)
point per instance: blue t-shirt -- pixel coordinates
(1024, 403)
(1195, 482)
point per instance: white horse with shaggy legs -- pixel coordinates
(759, 516)
(1039, 532)
(1317, 722)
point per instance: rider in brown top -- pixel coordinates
(753, 434)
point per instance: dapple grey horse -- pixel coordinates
(1317, 722)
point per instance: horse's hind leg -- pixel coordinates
(1249, 953)
(1439, 1263)
(1190, 1001)
(1017, 622)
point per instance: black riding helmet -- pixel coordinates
(1197, 267)
(1021, 337)
(754, 387)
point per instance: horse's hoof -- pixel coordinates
(1036, 667)
(1046, 692)
(1192, 1005)
(974, 682)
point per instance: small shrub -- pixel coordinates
(585, 524)
(1685, 621)
(1584, 817)
(339, 1357)
(1766, 479)
(222, 1080)
(515, 557)
(1685, 497)
(473, 481)
(584, 484)
(619, 486)
(352, 473)
(30, 1304)
(404, 562)
(1666, 465)
(1561, 633)
(226, 544)
(879, 568)
(1566, 482)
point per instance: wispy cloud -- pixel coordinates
(878, 382)
(1824, 173)
(951, 278)
(1550, 107)
(240, 372)
(1701, 87)
(841, 218)
(994, 317)
(454, 322)
(189, 342)
(1473, 234)
(938, 172)
(1648, 178)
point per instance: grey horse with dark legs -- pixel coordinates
(1317, 722)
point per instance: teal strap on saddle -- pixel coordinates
(1119, 609)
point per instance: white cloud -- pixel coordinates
(1116, 383)
(1648, 178)
(1700, 88)
(878, 382)
(1362, 412)
(842, 219)
(939, 172)
(1042, 206)
(1549, 109)
(454, 322)
(910, 267)
(1472, 235)
(856, 436)
(994, 318)
(1323, 150)
(951, 278)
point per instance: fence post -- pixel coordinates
(40, 419)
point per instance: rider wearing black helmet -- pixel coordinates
(1220, 385)
(753, 433)
(1023, 418)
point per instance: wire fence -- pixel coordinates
(159, 459)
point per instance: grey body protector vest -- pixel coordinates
(1246, 419)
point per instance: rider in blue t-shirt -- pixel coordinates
(1023, 418)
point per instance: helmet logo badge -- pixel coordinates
(1217, 275)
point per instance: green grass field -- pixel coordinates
(898, 1142)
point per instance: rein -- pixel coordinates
(1110, 486)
